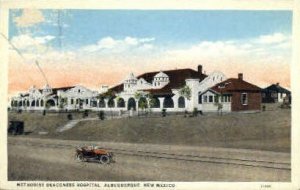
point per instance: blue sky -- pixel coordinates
(169, 28)
(93, 47)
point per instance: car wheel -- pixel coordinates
(104, 159)
(80, 157)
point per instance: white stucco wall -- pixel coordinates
(281, 98)
(212, 106)
(199, 87)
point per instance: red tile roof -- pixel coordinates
(176, 77)
(117, 89)
(235, 85)
(54, 90)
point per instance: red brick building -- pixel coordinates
(234, 94)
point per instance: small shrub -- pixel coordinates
(186, 113)
(163, 112)
(85, 113)
(263, 108)
(70, 116)
(101, 115)
(195, 112)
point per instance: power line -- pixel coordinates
(21, 55)
(37, 64)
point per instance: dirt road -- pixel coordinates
(48, 159)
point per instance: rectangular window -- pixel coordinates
(244, 98)
(72, 101)
(86, 101)
(211, 98)
(204, 98)
(229, 98)
(200, 99)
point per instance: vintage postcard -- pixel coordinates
(146, 98)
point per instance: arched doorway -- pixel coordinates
(33, 103)
(121, 103)
(131, 104)
(181, 102)
(42, 103)
(50, 103)
(111, 103)
(168, 102)
(28, 103)
(20, 104)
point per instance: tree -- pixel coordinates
(151, 101)
(218, 103)
(62, 102)
(109, 95)
(186, 92)
(141, 98)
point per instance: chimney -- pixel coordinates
(240, 76)
(277, 84)
(200, 69)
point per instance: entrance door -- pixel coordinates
(131, 104)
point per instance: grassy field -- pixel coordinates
(268, 130)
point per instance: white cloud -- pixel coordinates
(25, 41)
(272, 38)
(29, 17)
(265, 45)
(118, 45)
(209, 49)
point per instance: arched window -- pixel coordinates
(28, 103)
(50, 103)
(111, 103)
(33, 103)
(181, 102)
(121, 103)
(131, 104)
(42, 103)
(20, 104)
(168, 102)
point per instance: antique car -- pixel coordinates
(15, 128)
(93, 153)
